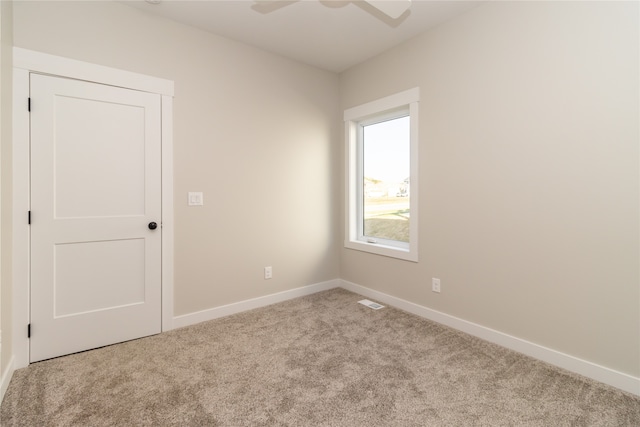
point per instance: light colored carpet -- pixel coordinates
(320, 360)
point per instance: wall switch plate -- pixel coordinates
(268, 273)
(196, 198)
(435, 285)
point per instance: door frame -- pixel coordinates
(26, 62)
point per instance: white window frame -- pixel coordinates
(355, 118)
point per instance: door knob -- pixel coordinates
(153, 226)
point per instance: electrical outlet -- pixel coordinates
(268, 272)
(435, 285)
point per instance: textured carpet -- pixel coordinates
(320, 360)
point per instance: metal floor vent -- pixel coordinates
(371, 304)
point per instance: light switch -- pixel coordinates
(196, 199)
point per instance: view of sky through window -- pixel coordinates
(386, 170)
(386, 150)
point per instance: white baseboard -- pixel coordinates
(6, 379)
(250, 304)
(591, 370)
(588, 369)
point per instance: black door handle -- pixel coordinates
(153, 226)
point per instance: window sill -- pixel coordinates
(384, 250)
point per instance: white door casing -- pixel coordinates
(95, 187)
(25, 63)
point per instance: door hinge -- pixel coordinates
(29, 218)
(29, 330)
(29, 104)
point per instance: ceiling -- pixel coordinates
(329, 34)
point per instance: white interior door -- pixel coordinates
(95, 189)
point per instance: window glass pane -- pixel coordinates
(386, 170)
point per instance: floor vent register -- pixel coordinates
(371, 304)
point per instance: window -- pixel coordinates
(382, 176)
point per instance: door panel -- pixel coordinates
(95, 186)
(85, 280)
(86, 170)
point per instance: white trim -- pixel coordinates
(26, 61)
(6, 379)
(588, 369)
(167, 213)
(21, 232)
(250, 304)
(56, 65)
(383, 108)
(383, 104)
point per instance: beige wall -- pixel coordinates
(528, 156)
(255, 132)
(6, 83)
(529, 174)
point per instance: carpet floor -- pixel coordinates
(319, 360)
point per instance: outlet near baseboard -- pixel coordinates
(435, 285)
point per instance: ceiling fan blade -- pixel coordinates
(392, 8)
(268, 6)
